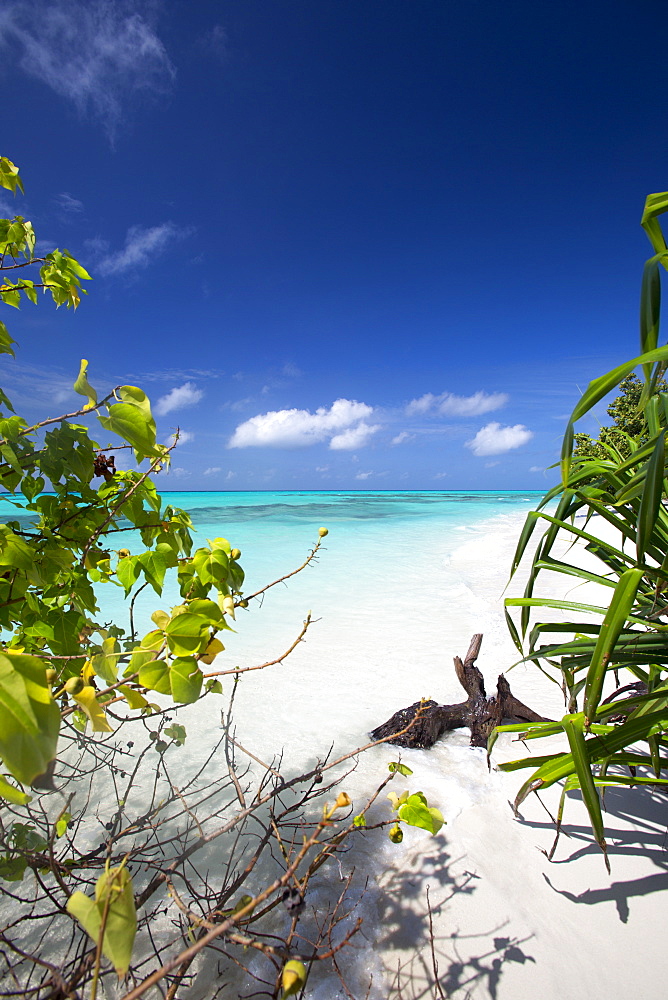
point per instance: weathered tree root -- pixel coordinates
(479, 713)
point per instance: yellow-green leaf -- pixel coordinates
(29, 717)
(293, 978)
(115, 905)
(133, 698)
(83, 387)
(88, 702)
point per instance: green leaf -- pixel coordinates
(155, 676)
(416, 812)
(13, 794)
(89, 704)
(127, 571)
(187, 634)
(105, 664)
(83, 387)
(212, 565)
(29, 717)
(359, 821)
(176, 733)
(6, 341)
(613, 622)
(186, 680)
(62, 824)
(398, 768)
(115, 901)
(651, 496)
(12, 869)
(133, 698)
(9, 176)
(574, 729)
(130, 423)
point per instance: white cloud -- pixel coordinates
(68, 203)
(493, 439)
(179, 472)
(178, 398)
(402, 437)
(141, 247)
(353, 437)
(230, 475)
(450, 405)
(537, 468)
(441, 475)
(212, 470)
(99, 55)
(363, 475)
(343, 424)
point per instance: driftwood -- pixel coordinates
(479, 713)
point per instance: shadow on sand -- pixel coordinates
(636, 824)
(430, 964)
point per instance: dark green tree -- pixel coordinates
(629, 422)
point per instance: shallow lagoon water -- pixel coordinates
(402, 582)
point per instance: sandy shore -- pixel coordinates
(507, 923)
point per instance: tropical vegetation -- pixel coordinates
(111, 863)
(610, 658)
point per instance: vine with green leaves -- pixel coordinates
(94, 850)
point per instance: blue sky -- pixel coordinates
(366, 244)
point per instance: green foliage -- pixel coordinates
(629, 423)
(61, 543)
(394, 767)
(109, 918)
(414, 810)
(622, 479)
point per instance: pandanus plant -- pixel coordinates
(621, 645)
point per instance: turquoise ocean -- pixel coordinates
(401, 583)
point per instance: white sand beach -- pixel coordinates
(392, 607)
(507, 923)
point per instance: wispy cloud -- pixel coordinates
(142, 245)
(493, 439)
(178, 399)
(7, 208)
(68, 203)
(447, 404)
(215, 41)
(212, 470)
(402, 437)
(342, 424)
(101, 56)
